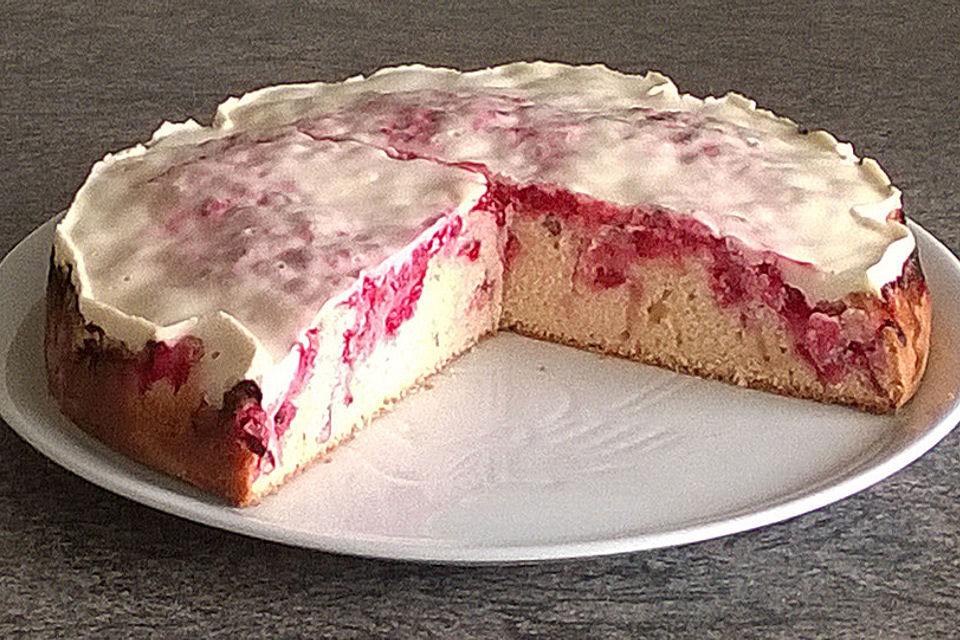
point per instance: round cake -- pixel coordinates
(228, 302)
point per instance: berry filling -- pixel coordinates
(382, 303)
(159, 361)
(836, 337)
(385, 301)
(254, 228)
(242, 406)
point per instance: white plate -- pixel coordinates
(523, 450)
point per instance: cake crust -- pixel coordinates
(172, 428)
(166, 426)
(150, 404)
(907, 338)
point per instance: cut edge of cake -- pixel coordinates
(740, 325)
(152, 405)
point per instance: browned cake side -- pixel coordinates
(665, 308)
(165, 424)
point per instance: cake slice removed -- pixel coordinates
(227, 309)
(227, 303)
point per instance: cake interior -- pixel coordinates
(656, 286)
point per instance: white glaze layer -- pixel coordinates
(241, 242)
(633, 140)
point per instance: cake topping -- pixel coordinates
(264, 229)
(630, 140)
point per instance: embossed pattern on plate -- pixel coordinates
(523, 450)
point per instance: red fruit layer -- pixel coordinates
(159, 361)
(98, 383)
(387, 300)
(835, 337)
(242, 406)
(383, 303)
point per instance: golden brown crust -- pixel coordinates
(96, 383)
(170, 427)
(94, 380)
(907, 339)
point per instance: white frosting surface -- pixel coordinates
(241, 241)
(632, 140)
(239, 232)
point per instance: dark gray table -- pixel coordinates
(77, 82)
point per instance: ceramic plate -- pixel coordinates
(523, 450)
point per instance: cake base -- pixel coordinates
(250, 293)
(537, 279)
(167, 425)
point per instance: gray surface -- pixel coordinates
(83, 80)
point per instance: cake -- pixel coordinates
(227, 303)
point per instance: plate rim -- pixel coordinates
(149, 491)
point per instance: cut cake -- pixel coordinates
(227, 303)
